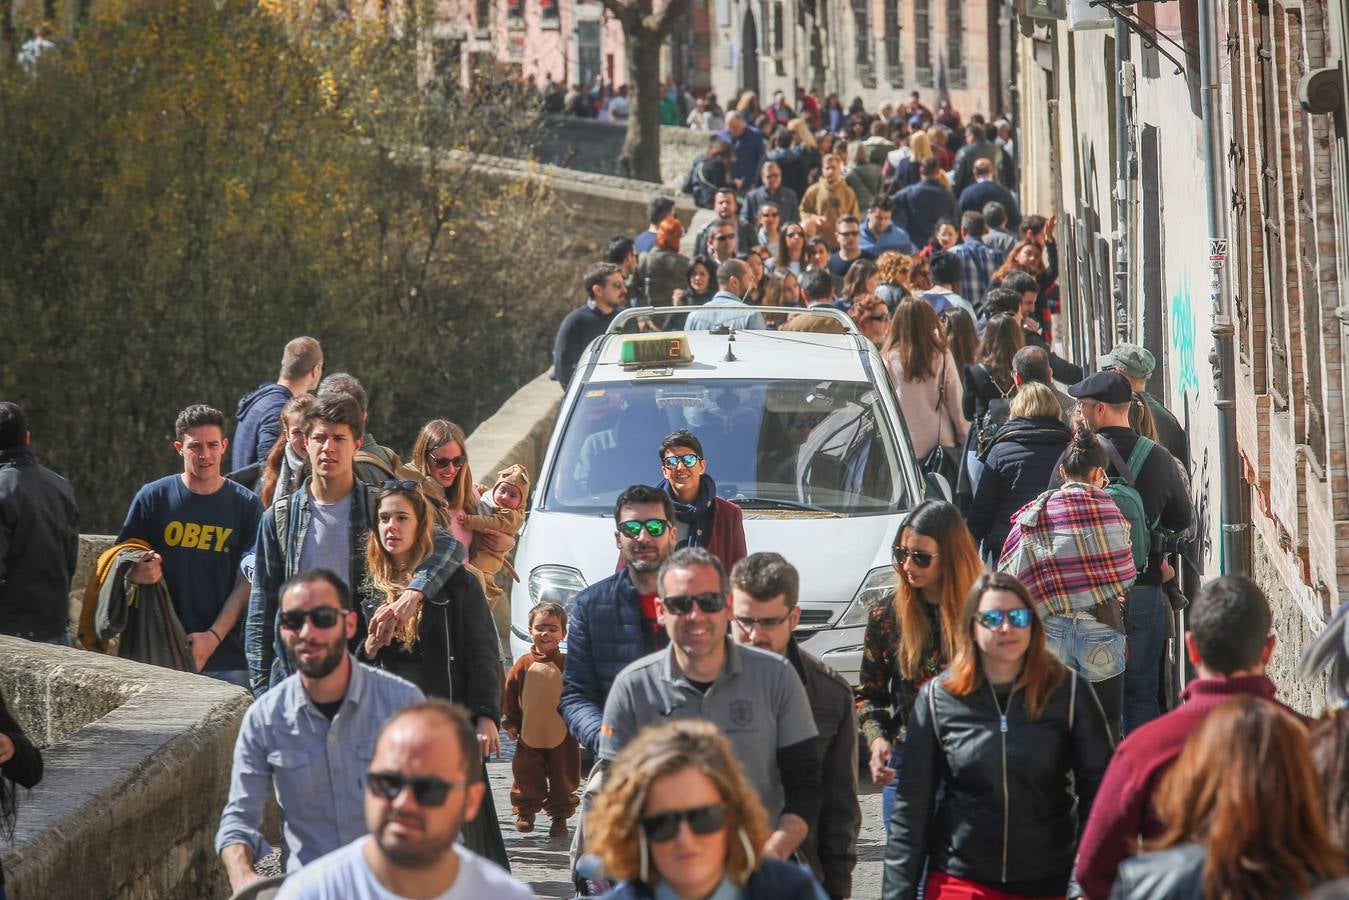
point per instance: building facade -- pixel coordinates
(1112, 138)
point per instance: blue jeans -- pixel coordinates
(1146, 630)
(888, 792)
(1093, 650)
(236, 677)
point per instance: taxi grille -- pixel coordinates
(813, 620)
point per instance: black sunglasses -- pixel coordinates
(654, 527)
(392, 485)
(992, 619)
(441, 462)
(428, 791)
(688, 459)
(702, 819)
(682, 604)
(920, 559)
(321, 616)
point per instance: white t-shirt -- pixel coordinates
(344, 875)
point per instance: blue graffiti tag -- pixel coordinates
(1182, 335)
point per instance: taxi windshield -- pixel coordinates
(794, 444)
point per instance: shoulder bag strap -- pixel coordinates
(941, 398)
(1125, 471)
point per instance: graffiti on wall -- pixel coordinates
(1182, 337)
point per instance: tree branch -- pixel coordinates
(664, 22)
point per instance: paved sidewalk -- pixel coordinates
(542, 863)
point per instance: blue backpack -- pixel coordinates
(1123, 491)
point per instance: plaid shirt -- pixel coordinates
(978, 262)
(1071, 549)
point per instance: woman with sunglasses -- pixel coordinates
(791, 249)
(1004, 755)
(1070, 547)
(677, 819)
(908, 640)
(449, 648)
(871, 317)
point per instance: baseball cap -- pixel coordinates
(1131, 359)
(1107, 387)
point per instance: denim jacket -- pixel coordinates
(278, 559)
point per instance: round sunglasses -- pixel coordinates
(687, 460)
(992, 619)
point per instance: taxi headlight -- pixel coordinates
(557, 584)
(877, 587)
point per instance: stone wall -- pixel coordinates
(1294, 632)
(137, 763)
(590, 146)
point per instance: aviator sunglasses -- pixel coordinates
(992, 619)
(689, 460)
(428, 791)
(682, 604)
(920, 559)
(321, 616)
(701, 819)
(654, 527)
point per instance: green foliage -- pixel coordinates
(189, 184)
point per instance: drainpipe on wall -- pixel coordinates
(1236, 526)
(1123, 152)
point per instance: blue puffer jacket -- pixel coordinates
(605, 632)
(1017, 468)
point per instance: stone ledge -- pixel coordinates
(133, 784)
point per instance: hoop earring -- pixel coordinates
(749, 850)
(643, 862)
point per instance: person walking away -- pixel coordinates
(547, 761)
(764, 592)
(908, 641)
(920, 206)
(993, 828)
(1241, 813)
(658, 209)
(1137, 364)
(258, 414)
(924, 377)
(1070, 547)
(39, 537)
(986, 190)
(663, 270)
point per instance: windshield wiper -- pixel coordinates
(766, 503)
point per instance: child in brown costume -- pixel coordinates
(501, 510)
(547, 764)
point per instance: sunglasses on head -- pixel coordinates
(992, 619)
(920, 559)
(428, 791)
(392, 485)
(321, 616)
(689, 460)
(682, 604)
(654, 527)
(701, 819)
(441, 462)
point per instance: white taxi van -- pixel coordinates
(800, 430)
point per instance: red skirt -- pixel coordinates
(941, 886)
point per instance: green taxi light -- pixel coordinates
(663, 350)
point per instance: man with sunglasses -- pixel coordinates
(727, 234)
(308, 741)
(752, 695)
(422, 786)
(764, 592)
(701, 518)
(327, 523)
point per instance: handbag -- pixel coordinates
(943, 460)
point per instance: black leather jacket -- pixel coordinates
(1176, 873)
(993, 803)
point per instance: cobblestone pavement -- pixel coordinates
(542, 863)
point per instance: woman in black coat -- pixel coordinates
(20, 764)
(448, 649)
(1017, 466)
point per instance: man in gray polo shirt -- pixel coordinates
(753, 696)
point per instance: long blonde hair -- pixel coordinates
(386, 578)
(612, 826)
(799, 128)
(960, 566)
(920, 148)
(434, 435)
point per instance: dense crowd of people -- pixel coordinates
(1011, 703)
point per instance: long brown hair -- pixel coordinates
(1010, 264)
(434, 435)
(277, 455)
(1245, 787)
(1041, 672)
(384, 575)
(917, 338)
(1001, 339)
(1141, 419)
(961, 337)
(660, 750)
(1330, 753)
(958, 560)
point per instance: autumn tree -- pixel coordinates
(644, 31)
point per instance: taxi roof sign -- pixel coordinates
(656, 350)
